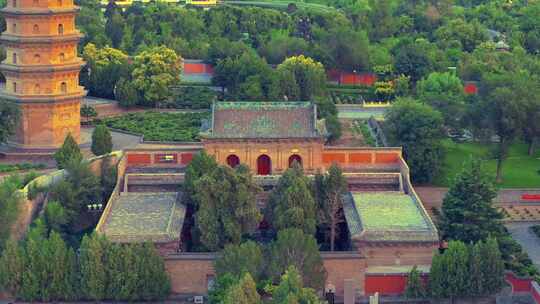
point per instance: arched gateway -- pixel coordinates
(233, 161)
(264, 165)
(295, 158)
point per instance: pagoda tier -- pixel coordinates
(42, 70)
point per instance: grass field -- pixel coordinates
(519, 170)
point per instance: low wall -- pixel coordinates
(523, 285)
(351, 158)
(191, 273)
(29, 208)
(120, 169)
(161, 157)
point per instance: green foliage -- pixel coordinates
(101, 140)
(5, 168)
(160, 126)
(418, 129)
(9, 205)
(55, 216)
(227, 206)
(415, 288)
(307, 76)
(192, 97)
(465, 271)
(444, 92)
(105, 66)
(69, 151)
(291, 204)
(9, 117)
(126, 93)
(328, 191)
(468, 213)
(154, 71)
(240, 259)
(221, 286)
(88, 112)
(201, 164)
(243, 292)
(291, 289)
(294, 248)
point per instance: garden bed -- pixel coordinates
(160, 126)
(5, 168)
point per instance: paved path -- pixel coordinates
(524, 236)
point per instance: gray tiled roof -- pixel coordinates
(141, 217)
(263, 120)
(392, 229)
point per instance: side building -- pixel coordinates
(389, 229)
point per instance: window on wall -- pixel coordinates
(62, 57)
(37, 89)
(14, 28)
(14, 58)
(63, 87)
(36, 29)
(15, 87)
(36, 2)
(37, 58)
(14, 3)
(60, 29)
(59, 2)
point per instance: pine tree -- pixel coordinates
(438, 279)
(476, 275)
(93, 267)
(69, 150)
(244, 292)
(101, 140)
(291, 289)
(32, 287)
(200, 165)
(291, 204)
(415, 287)
(468, 214)
(60, 287)
(492, 266)
(115, 271)
(457, 259)
(239, 259)
(12, 266)
(295, 248)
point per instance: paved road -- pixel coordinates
(530, 242)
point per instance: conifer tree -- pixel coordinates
(467, 213)
(93, 267)
(239, 259)
(244, 292)
(295, 248)
(153, 275)
(415, 287)
(200, 165)
(457, 259)
(12, 263)
(492, 266)
(101, 140)
(60, 269)
(476, 273)
(69, 150)
(291, 204)
(291, 289)
(438, 279)
(32, 288)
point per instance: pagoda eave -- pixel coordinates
(8, 38)
(43, 98)
(74, 66)
(9, 11)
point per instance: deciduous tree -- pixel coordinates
(309, 76)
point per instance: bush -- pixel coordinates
(160, 126)
(5, 168)
(192, 97)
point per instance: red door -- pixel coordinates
(264, 165)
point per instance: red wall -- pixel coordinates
(198, 68)
(385, 284)
(386, 158)
(139, 159)
(329, 158)
(363, 158)
(518, 284)
(186, 158)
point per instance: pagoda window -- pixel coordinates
(14, 87)
(14, 58)
(14, 27)
(37, 58)
(63, 87)
(62, 57)
(37, 89)
(60, 29)
(59, 2)
(36, 2)
(14, 3)
(36, 29)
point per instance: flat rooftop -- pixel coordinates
(145, 217)
(387, 216)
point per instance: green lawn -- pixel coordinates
(519, 170)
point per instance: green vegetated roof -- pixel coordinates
(263, 120)
(387, 216)
(142, 217)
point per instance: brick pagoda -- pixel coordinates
(42, 70)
